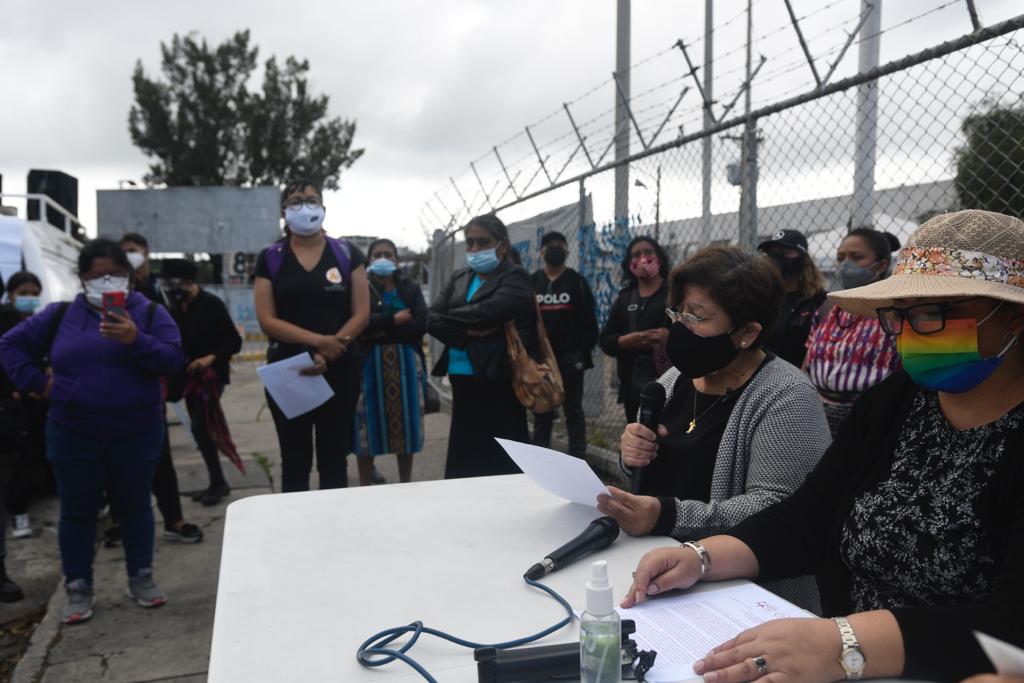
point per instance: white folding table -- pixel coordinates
(306, 577)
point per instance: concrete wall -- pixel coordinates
(193, 219)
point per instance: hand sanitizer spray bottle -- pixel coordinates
(600, 631)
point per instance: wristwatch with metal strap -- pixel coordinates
(851, 659)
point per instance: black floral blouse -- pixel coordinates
(916, 538)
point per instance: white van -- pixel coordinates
(42, 249)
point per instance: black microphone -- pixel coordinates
(598, 535)
(652, 400)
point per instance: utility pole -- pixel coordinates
(657, 206)
(621, 111)
(708, 122)
(866, 133)
(748, 153)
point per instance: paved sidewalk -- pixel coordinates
(123, 643)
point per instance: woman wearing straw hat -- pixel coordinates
(913, 522)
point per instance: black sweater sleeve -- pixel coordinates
(614, 328)
(440, 325)
(589, 333)
(230, 341)
(512, 299)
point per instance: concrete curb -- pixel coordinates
(32, 664)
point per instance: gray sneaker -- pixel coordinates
(78, 601)
(142, 589)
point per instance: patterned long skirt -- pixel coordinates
(389, 416)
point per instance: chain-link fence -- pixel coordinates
(950, 135)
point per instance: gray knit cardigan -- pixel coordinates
(775, 435)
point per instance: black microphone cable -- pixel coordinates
(375, 651)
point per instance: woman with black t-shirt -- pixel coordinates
(637, 327)
(312, 297)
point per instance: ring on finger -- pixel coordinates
(761, 665)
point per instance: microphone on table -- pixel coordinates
(652, 400)
(598, 535)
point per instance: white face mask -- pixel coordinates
(137, 259)
(97, 287)
(304, 221)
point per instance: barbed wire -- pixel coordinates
(599, 134)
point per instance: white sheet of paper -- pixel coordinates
(684, 628)
(1007, 659)
(294, 394)
(563, 475)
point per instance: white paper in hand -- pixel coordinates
(563, 475)
(293, 393)
(1007, 659)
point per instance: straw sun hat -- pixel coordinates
(967, 253)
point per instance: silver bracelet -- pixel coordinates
(702, 553)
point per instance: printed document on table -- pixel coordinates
(684, 628)
(294, 394)
(1007, 659)
(563, 475)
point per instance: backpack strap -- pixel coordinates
(275, 257)
(51, 333)
(342, 254)
(339, 247)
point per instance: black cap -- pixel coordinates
(179, 268)
(792, 239)
(553, 236)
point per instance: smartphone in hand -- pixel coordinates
(113, 303)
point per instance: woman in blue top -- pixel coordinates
(469, 317)
(389, 417)
(105, 425)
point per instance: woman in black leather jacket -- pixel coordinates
(469, 318)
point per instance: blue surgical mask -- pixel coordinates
(483, 261)
(383, 267)
(26, 304)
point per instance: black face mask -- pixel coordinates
(555, 256)
(697, 356)
(177, 297)
(788, 265)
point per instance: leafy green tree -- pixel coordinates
(203, 126)
(990, 164)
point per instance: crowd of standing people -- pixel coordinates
(837, 447)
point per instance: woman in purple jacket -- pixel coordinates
(105, 426)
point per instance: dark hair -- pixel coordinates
(297, 185)
(628, 278)
(102, 248)
(553, 236)
(179, 268)
(882, 244)
(747, 286)
(135, 238)
(381, 240)
(492, 224)
(20, 278)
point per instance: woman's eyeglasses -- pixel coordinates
(310, 202)
(923, 318)
(688, 319)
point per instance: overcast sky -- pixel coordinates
(432, 84)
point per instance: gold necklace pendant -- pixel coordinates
(693, 425)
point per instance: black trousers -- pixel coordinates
(481, 411)
(333, 424)
(165, 486)
(207, 447)
(575, 421)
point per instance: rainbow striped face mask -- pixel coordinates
(949, 360)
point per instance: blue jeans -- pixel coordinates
(85, 466)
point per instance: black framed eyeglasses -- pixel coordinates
(310, 202)
(923, 318)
